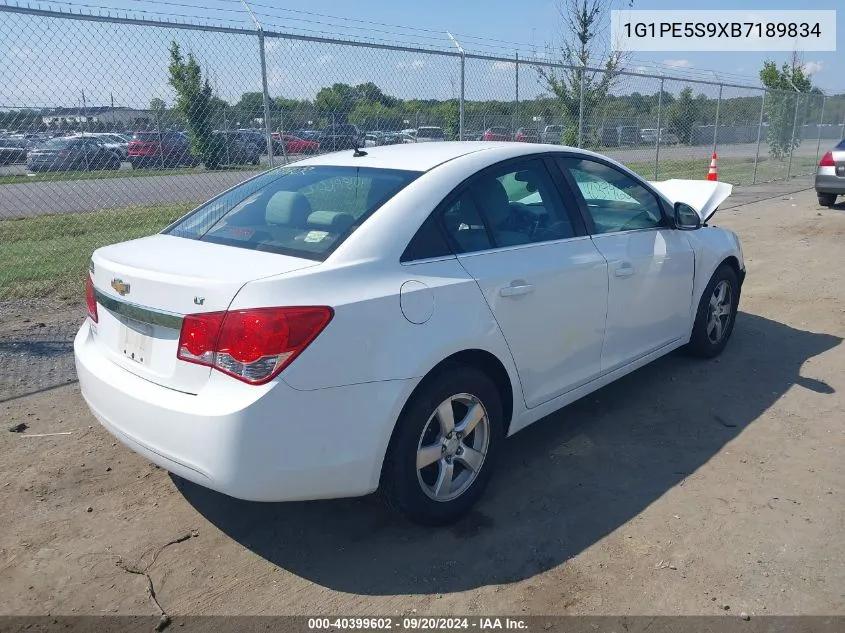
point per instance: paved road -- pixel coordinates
(79, 196)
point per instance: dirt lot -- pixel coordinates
(686, 488)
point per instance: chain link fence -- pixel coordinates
(110, 128)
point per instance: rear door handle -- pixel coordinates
(515, 291)
(625, 269)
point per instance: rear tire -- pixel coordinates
(826, 199)
(459, 466)
(714, 320)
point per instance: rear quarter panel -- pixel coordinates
(370, 339)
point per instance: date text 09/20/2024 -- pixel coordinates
(418, 623)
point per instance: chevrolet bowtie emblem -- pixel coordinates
(121, 288)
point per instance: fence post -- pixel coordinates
(821, 120)
(581, 107)
(716, 124)
(461, 102)
(160, 144)
(88, 127)
(792, 140)
(516, 107)
(759, 134)
(226, 136)
(269, 138)
(657, 142)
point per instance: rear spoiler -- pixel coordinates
(704, 196)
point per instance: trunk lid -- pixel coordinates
(144, 287)
(839, 160)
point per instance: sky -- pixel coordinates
(57, 60)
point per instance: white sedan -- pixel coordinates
(385, 319)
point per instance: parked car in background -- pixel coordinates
(496, 134)
(391, 138)
(629, 135)
(293, 144)
(239, 148)
(527, 135)
(552, 134)
(427, 134)
(830, 175)
(339, 136)
(649, 136)
(371, 139)
(112, 141)
(72, 154)
(668, 138)
(160, 149)
(13, 150)
(308, 135)
(608, 136)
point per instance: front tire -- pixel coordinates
(716, 314)
(445, 448)
(826, 199)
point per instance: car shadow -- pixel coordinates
(562, 484)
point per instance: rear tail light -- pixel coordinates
(827, 160)
(251, 345)
(90, 298)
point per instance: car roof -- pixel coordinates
(426, 156)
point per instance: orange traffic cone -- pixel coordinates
(713, 174)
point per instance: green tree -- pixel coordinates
(251, 107)
(339, 100)
(581, 49)
(157, 108)
(682, 114)
(193, 101)
(785, 86)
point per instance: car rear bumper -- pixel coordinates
(828, 182)
(265, 443)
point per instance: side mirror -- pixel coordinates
(686, 218)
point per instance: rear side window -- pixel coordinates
(465, 227)
(299, 211)
(428, 242)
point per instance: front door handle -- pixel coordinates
(625, 269)
(515, 291)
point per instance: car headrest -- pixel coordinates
(493, 200)
(289, 208)
(333, 221)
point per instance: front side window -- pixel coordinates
(299, 211)
(615, 201)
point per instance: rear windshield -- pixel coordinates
(299, 211)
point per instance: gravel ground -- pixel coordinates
(688, 487)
